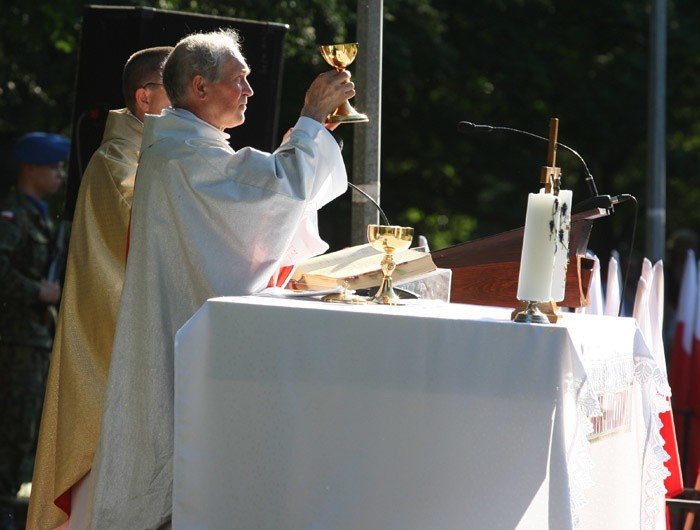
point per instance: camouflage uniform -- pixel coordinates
(26, 334)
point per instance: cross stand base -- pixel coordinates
(536, 312)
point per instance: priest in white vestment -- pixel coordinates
(206, 222)
(77, 381)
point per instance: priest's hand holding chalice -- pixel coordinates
(388, 239)
(340, 56)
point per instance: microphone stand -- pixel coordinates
(595, 201)
(370, 199)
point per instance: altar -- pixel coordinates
(293, 414)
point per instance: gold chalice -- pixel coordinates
(340, 56)
(388, 239)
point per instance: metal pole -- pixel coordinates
(656, 165)
(367, 76)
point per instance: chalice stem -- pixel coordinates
(345, 110)
(388, 265)
(385, 292)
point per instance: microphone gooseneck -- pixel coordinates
(467, 127)
(361, 191)
(370, 199)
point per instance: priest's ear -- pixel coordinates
(142, 98)
(150, 99)
(200, 87)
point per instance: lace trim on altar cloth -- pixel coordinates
(603, 402)
(609, 376)
(580, 462)
(658, 393)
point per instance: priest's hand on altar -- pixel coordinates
(326, 93)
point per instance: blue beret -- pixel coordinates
(42, 149)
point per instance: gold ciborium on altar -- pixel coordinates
(340, 56)
(388, 239)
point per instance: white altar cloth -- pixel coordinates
(295, 415)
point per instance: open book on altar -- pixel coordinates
(359, 266)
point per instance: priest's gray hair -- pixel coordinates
(198, 54)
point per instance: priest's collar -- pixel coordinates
(187, 115)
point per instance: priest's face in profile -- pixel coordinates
(228, 97)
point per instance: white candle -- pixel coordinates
(537, 258)
(561, 255)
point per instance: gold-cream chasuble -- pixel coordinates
(77, 380)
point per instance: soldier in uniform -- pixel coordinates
(27, 302)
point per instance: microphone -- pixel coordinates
(601, 201)
(595, 201)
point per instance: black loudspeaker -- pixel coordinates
(111, 34)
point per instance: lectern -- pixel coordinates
(485, 271)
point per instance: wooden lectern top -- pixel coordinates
(485, 271)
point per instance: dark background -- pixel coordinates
(124, 30)
(498, 62)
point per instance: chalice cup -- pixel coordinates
(388, 239)
(340, 56)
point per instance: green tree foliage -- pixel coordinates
(38, 50)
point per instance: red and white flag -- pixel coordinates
(692, 454)
(674, 481)
(681, 359)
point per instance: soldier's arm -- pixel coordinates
(13, 284)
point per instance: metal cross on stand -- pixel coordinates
(550, 175)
